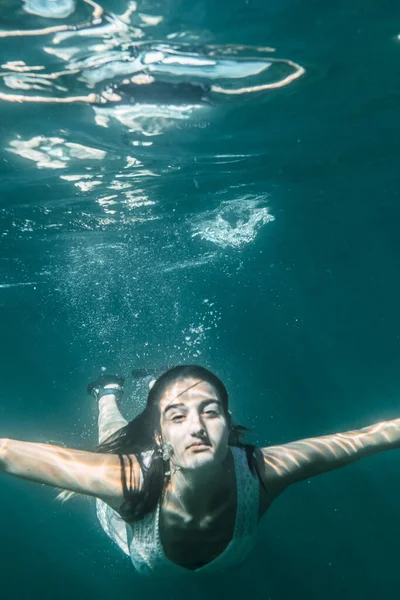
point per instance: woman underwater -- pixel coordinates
(176, 488)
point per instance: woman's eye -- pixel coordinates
(177, 418)
(211, 413)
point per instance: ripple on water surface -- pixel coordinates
(112, 120)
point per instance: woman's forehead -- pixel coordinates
(187, 389)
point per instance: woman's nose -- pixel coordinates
(196, 425)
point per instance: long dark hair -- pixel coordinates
(139, 436)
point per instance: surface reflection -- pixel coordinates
(136, 78)
(112, 62)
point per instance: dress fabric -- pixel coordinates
(141, 539)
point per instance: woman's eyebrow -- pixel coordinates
(202, 404)
(176, 405)
(211, 401)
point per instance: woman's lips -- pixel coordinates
(199, 446)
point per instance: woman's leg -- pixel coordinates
(110, 418)
(110, 421)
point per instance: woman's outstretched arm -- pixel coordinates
(283, 465)
(83, 472)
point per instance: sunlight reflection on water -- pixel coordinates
(117, 65)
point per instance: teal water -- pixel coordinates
(254, 233)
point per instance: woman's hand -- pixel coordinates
(3, 443)
(89, 473)
(281, 466)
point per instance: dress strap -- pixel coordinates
(248, 492)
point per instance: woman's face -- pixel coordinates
(193, 423)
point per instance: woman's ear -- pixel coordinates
(158, 439)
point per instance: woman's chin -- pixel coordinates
(200, 460)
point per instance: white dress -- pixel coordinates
(141, 539)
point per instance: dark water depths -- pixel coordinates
(256, 233)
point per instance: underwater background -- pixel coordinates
(215, 183)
